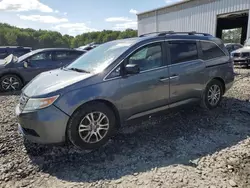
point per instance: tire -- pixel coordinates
(10, 82)
(206, 98)
(82, 116)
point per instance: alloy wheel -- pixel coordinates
(10, 83)
(93, 127)
(214, 94)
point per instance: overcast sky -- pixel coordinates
(76, 16)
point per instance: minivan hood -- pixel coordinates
(52, 81)
(244, 49)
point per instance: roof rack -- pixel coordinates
(163, 33)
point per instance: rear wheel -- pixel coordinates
(10, 83)
(91, 126)
(212, 95)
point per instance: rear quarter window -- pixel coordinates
(211, 51)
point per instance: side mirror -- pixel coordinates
(132, 69)
(25, 64)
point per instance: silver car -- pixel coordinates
(88, 100)
(241, 56)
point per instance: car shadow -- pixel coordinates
(174, 137)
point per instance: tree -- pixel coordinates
(232, 35)
(10, 35)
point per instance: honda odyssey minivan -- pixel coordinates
(88, 100)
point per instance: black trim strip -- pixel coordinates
(216, 65)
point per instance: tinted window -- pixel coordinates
(148, 57)
(64, 55)
(41, 56)
(211, 51)
(183, 51)
(75, 54)
(61, 55)
(3, 53)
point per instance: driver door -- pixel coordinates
(149, 89)
(37, 64)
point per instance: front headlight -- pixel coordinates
(39, 103)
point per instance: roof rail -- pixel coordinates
(163, 33)
(143, 35)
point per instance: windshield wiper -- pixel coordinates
(78, 70)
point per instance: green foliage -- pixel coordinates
(231, 35)
(13, 36)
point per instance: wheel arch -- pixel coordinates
(108, 104)
(223, 83)
(220, 80)
(13, 73)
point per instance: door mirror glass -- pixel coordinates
(132, 69)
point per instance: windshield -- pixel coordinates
(9, 59)
(23, 57)
(102, 56)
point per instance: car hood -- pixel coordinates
(244, 49)
(51, 81)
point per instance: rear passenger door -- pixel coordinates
(186, 70)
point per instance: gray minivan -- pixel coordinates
(88, 100)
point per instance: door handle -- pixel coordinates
(164, 79)
(174, 76)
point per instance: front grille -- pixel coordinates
(23, 101)
(245, 54)
(236, 55)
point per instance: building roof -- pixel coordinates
(168, 6)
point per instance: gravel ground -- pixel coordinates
(188, 147)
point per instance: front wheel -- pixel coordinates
(91, 126)
(212, 95)
(10, 83)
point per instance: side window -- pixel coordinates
(148, 57)
(67, 55)
(3, 53)
(41, 56)
(211, 51)
(183, 51)
(75, 54)
(115, 73)
(61, 55)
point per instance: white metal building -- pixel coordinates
(209, 16)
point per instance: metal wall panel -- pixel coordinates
(198, 15)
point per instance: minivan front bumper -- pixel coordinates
(45, 126)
